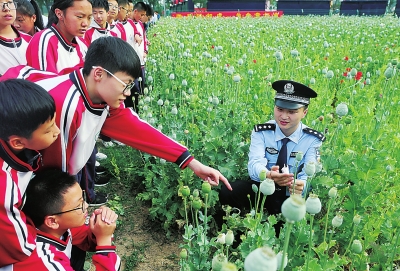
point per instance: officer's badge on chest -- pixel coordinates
(271, 150)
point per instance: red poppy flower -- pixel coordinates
(346, 58)
(358, 76)
(212, 46)
(345, 74)
(348, 69)
(254, 61)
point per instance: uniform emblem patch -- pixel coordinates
(271, 150)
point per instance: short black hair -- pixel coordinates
(100, 4)
(113, 54)
(61, 5)
(140, 6)
(122, 2)
(24, 106)
(30, 8)
(45, 194)
(149, 10)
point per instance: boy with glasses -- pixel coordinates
(60, 221)
(27, 124)
(112, 20)
(90, 101)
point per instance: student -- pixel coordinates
(27, 124)
(13, 44)
(99, 26)
(29, 17)
(90, 101)
(56, 48)
(59, 218)
(267, 141)
(112, 20)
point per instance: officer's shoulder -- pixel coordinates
(264, 127)
(315, 133)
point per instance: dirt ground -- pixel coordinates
(147, 244)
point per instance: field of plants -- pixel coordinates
(209, 83)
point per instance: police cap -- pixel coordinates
(292, 95)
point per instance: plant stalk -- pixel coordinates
(285, 246)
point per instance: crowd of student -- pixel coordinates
(60, 88)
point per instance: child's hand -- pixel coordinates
(138, 39)
(100, 228)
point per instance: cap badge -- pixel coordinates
(288, 88)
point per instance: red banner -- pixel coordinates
(255, 14)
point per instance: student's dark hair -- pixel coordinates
(24, 106)
(140, 6)
(149, 10)
(30, 8)
(122, 2)
(45, 194)
(100, 4)
(61, 5)
(113, 54)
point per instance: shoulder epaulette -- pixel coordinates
(264, 127)
(315, 133)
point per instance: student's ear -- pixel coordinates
(16, 142)
(305, 112)
(34, 17)
(51, 222)
(98, 74)
(59, 13)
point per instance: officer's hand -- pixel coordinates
(281, 179)
(298, 187)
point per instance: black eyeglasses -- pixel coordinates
(10, 5)
(126, 86)
(127, 10)
(83, 207)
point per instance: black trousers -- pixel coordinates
(238, 198)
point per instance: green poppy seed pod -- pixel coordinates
(318, 167)
(208, 70)
(221, 238)
(394, 62)
(195, 72)
(196, 193)
(254, 188)
(197, 203)
(228, 267)
(263, 175)
(310, 168)
(294, 208)
(166, 103)
(215, 101)
(368, 81)
(229, 238)
(183, 254)
(250, 72)
(174, 111)
(342, 109)
(172, 76)
(313, 204)
(332, 192)
(358, 65)
(260, 259)
(236, 78)
(330, 74)
(337, 221)
(356, 219)
(299, 156)
(160, 102)
(217, 261)
(353, 72)
(184, 83)
(356, 246)
(240, 61)
(185, 191)
(205, 187)
(312, 81)
(255, 97)
(389, 72)
(267, 187)
(279, 260)
(369, 59)
(278, 56)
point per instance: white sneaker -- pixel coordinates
(100, 156)
(97, 163)
(107, 144)
(118, 143)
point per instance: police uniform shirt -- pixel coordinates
(266, 143)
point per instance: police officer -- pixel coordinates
(269, 139)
